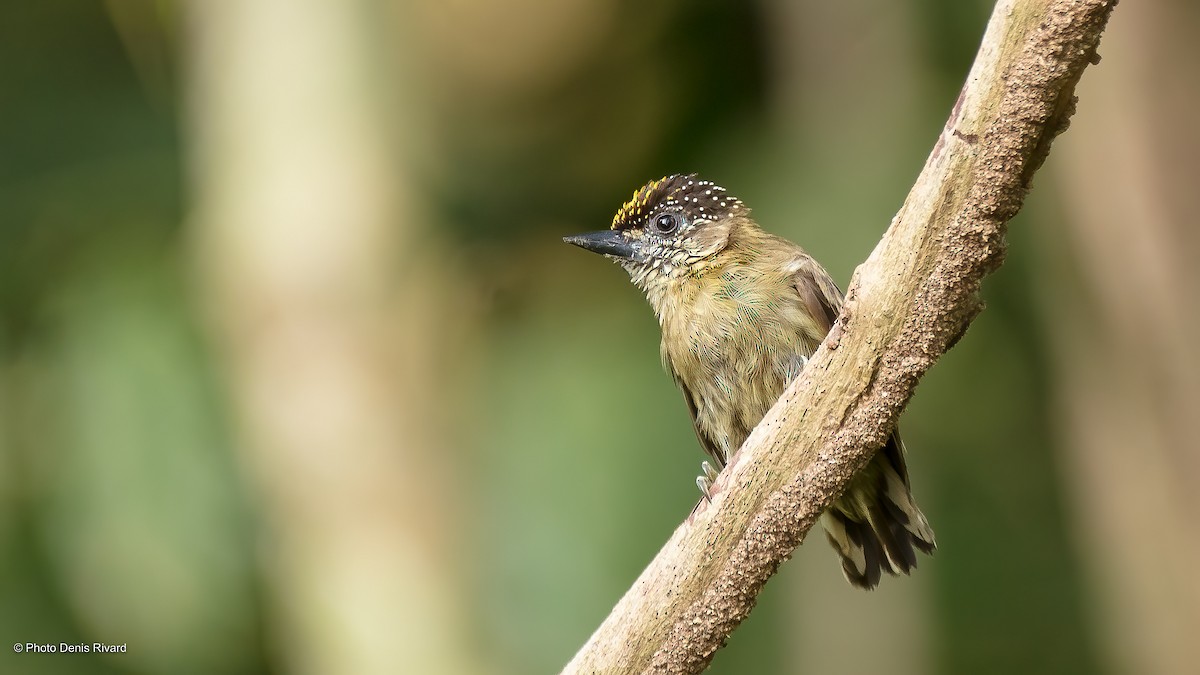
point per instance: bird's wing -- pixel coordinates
(823, 298)
(706, 441)
(817, 290)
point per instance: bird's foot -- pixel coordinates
(706, 479)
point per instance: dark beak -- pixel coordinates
(608, 242)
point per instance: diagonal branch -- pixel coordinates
(907, 304)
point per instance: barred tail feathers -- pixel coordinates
(876, 526)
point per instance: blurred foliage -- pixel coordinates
(124, 516)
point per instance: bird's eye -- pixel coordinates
(666, 223)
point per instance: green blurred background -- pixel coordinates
(296, 375)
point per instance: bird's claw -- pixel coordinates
(706, 479)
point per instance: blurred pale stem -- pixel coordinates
(1129, 370)
(301, 227)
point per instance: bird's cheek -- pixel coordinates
(709, 240)
(646, 249)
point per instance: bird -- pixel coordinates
(741, 311)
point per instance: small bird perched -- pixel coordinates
(741, 310)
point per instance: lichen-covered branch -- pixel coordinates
(906, 305)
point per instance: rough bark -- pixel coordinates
(906, 305)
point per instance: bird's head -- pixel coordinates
(670, 227)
